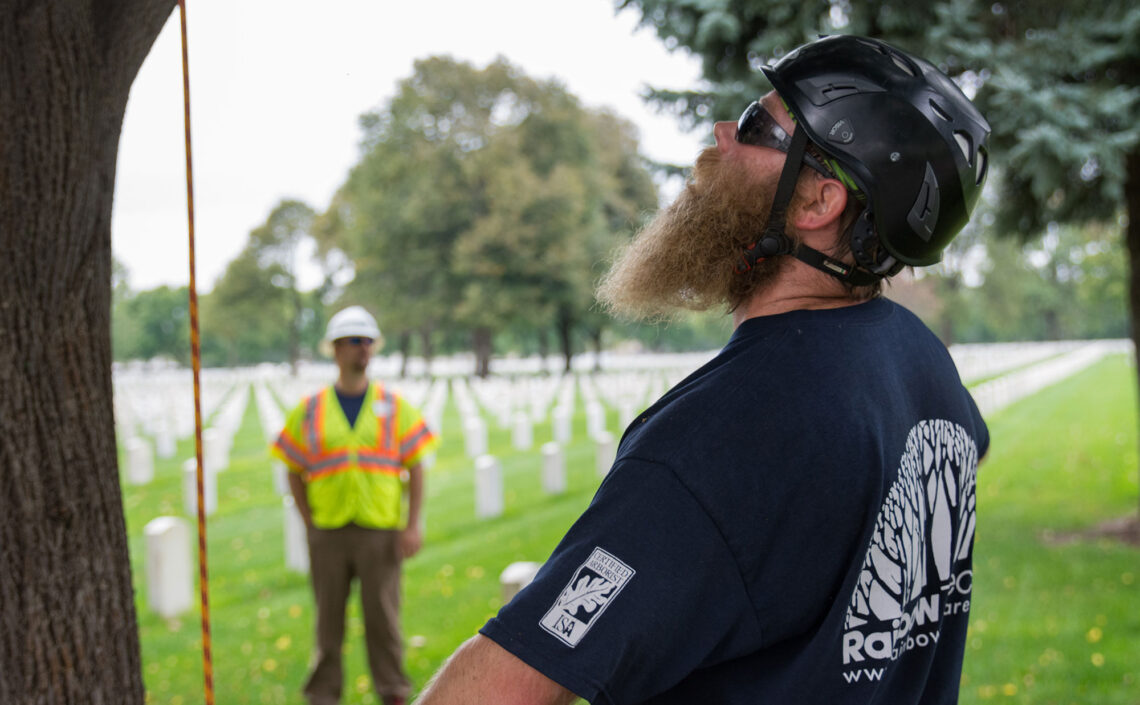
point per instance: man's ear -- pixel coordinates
(821, 203)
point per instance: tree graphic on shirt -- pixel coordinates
(914, 535)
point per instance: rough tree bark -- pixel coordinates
(67, 621)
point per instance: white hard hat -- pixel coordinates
(352, 322)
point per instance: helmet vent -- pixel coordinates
(966, 145)
(903, 64)
(923, 216)
(983, 163)
(940, 111)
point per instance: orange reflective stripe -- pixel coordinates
(331, 470)
(377, 457)
(329, 460)
(292, 449)
(417, 439)
(386, 423)
(314, 422)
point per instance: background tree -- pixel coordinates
(256, 312)
(276, 244)
(479, 201)
(152, 323)
(67, 616)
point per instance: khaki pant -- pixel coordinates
(336, 556)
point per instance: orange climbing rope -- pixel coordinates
(196, 364)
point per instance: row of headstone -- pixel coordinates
(140, 455)
(217, 441)
(272, 421)
(160, 403)
(980, 360)
(998, 393)
(506, 398)
(489, 489)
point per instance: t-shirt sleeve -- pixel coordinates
(291, 447)
(641, 591)
(981, 431)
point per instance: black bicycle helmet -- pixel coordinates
(912, 142)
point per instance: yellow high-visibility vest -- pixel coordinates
(354, 474)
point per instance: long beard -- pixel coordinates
(686, 257)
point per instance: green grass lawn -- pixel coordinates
(1054, 616)
(1054, 621)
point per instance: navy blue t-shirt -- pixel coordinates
(350, 405)
(793, 523)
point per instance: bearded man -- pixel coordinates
(794, 522)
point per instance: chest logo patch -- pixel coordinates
(590, 591)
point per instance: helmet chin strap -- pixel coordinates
(775, 241)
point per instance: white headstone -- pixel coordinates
(140, 462)
(561, 421)
(553, 468)
(522, 433)
(169, 570)
(280, 478)
(516, 576)
(164, 442)
(627, 411)
(190, 488)
(606, 450)
(475, 436)
(296, 538)
(215, 450)
(488, 487)
(595, 419)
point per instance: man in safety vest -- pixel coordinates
(350, 449)
(793, 523)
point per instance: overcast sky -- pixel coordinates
(277, 87)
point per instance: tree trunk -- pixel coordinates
(429, 349)
(1132, 236)
(68, 632)
(294, 328)
(481, 343)
(543, 348)
(596, 335)
(405, 352)
(564, 329)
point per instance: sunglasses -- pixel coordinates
(758, 128)
(355, 340)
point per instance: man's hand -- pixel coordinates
(411, 540)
